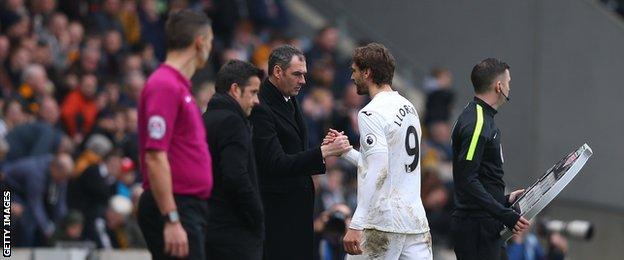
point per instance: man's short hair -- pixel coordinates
(236, 71)
(378, 59)
(182, 27)
(282, 56)
(485, 72)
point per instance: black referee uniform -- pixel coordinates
(481, 207)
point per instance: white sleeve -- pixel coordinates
(353, 156)
(374, 154)
(372, 134)
(377, 162)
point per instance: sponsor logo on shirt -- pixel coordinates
(188, 99)
(156, 127)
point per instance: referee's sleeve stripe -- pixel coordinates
(475, 135)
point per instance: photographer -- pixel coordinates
(329, 228)
(526, 246)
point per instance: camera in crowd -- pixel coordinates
(336, 224)
(576, 229)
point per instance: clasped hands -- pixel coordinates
(335, 144)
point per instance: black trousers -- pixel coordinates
(289, 225)
(192, 212)
(477, 238)
(232, 243)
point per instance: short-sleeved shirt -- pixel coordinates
(389, 124)
(170, 121)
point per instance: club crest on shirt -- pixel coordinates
(156, 127)
(370, 139)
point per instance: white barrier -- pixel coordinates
(77, 254)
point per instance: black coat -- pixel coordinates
(90, 193)
(285, 164)
(235, 212)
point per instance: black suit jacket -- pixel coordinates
(285, 166)
(234, 208)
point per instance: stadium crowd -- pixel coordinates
(71, 73)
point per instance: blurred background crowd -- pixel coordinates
(71, 73)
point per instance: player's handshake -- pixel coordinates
(335, 144)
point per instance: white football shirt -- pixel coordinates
(389, 167)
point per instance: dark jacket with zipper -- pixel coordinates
(478, 166)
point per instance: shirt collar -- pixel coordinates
(178, 74)
(488, 109)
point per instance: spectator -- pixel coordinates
(57, 36)
(90, 192)
(39, 137)
(133, 85)
(115, 229)
(96, 148)
(129, 19)
(152, 27)
(526, 246)
(13, 115)
(35, 86)
(113, 55)
(79, 110)
(38, 183)
(106, 18)
(70, 229)
(440, 98)
(90, 57)
(325, 46)
(76, 35)
(5, 79)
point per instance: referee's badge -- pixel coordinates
(370, 140)
(156, 127)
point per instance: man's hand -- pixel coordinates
(337, 147)
(522, 225)
(352, 242)
(176, 241)
(331, 136)
(514, 195)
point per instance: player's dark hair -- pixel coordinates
(182, 27)
(484, 73)
(236, 71)
(282, 55)
(378, 59)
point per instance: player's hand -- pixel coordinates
(331, 136)
(514, 195)
(339, 146)
(176, 241)
(522, 225)
(353, 242)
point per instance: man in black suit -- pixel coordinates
(235, 216)
(285, 162)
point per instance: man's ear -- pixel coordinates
(367, 73)
(234, 90)
(277, 71)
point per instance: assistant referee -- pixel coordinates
(481, 207)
